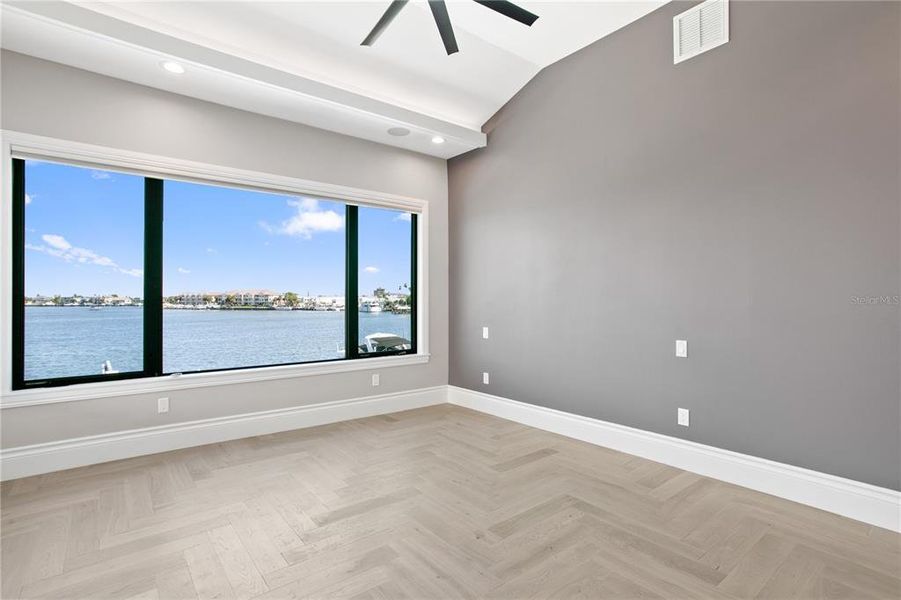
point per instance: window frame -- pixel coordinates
(15, 391)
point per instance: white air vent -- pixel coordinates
(700, 28)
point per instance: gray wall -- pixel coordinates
(738, 200)
(49, 99)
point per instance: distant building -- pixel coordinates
(116, 300)
(257, 299)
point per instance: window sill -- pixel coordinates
(129, 387)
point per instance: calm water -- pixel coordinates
(66, 341)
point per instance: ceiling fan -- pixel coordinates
(442, 20)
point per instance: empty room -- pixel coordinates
(450, 299)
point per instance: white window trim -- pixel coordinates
(17, 144)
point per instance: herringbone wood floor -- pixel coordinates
(440, 502)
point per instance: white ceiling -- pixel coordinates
(303, 61)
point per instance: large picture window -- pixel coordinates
(118, 276)
(83, 271)
(385, 276)
(250, 278)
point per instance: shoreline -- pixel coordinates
(228, 309)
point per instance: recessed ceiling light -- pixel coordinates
(172, 67)
(399, 131)
(437, 140)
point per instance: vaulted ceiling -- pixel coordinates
(303, 61)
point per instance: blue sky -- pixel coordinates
(84, 234)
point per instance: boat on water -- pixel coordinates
(371, 306)
(284, 308)
(380, 342)
(384, 342)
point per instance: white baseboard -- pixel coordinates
(861, 501)
(55, 456)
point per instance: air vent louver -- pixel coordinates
(700, 28)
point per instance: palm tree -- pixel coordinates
(406, 299)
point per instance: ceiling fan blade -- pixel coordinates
(508, 9)
(442, 20)
(383, 23)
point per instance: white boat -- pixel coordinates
(371, 306)
(283, 308)
(384, 342)
(380, 342)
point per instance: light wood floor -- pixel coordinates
(440, 502)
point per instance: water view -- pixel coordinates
(68, 341)
(249, 278)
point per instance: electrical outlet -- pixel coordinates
(162, 405)
(485, 378)
(484, 333)
(375, 380)
(682, 417)
(681, 348)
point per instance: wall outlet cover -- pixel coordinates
(682, 348)
(485, 378)
(682, 417)
(375, 380)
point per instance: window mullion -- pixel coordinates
(414, 283)
(18, 272)
(153, 277)
(351, 286)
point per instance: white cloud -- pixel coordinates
(100, 175)
(183, 270)
(211, 251)
(59, 247)
(308, 219)
(371, 269)
(404, 217)
(83, 255)
(27, 199)
(56, 241)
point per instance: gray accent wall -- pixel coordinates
(740, 200)
(45, 98)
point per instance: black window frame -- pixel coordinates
(154, 206)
